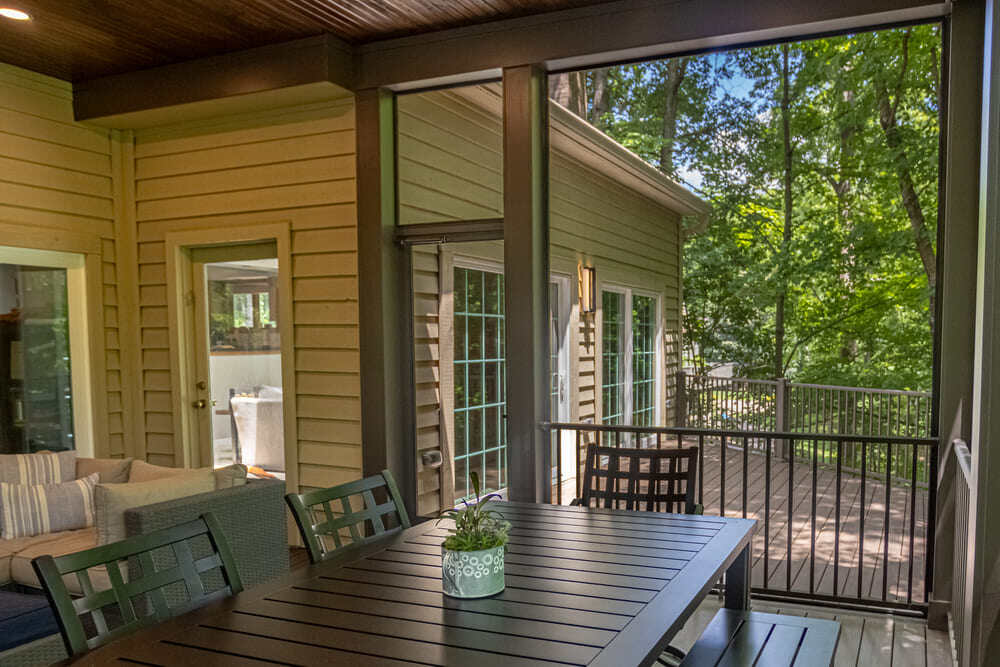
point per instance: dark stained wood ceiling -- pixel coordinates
(83, 39)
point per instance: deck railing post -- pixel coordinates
(781, 414)
(682, 401)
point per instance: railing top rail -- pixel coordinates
(714, 378)
(861, 390)
(964, 458)
(735, 433)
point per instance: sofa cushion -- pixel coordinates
(112, 471)
(68, 542)
(225, 477)
(24, 618)
(8, 548)
(111, 500)
(40, 468)
(27, 510)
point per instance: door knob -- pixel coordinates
(200, 403)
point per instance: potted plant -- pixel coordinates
(472, 556)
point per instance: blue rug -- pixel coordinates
(24, 618)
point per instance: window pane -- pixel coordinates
(479, 378)
(36, 403)
(643, 360)
(613, 382)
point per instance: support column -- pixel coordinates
(961, 97)
(526, 266)
(983, 584)
(384, 301)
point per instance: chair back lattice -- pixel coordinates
(348, 515)
(654, 480)
(157, 565)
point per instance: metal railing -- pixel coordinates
(828, 534)
(778, 405)
(963, 497)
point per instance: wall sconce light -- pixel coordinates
(588, 289)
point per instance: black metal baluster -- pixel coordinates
(579, 464)
(812, 528)
(767, 511)
(913, 525)
(885, 527)
(558, 467)
(836, 526)
(788, 530)
(722, 486)
(701, 470)
(746, 479)
(861, 516)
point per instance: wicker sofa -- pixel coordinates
(260, 546)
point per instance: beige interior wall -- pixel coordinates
(57, 192)
(450, 169)
(291, 166)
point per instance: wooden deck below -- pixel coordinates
(866, 640)
(862, 555)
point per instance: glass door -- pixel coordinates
(238, 372)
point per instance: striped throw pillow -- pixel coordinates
(35, 509)
(40, 468)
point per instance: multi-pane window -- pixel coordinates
(480, 380)
(643, 360)
(612, 357)
(629, 358)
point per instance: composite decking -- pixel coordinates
(866, 640)
(857, 573)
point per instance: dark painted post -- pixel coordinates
(682, 401)
(384, 301)
(526, 266)
(781, 414)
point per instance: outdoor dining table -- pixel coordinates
(583, 587)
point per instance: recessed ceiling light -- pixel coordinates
(16, 14)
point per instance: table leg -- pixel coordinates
(738, 582)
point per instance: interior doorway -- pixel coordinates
(231, 366)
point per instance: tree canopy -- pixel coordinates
(820, 160)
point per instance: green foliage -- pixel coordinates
(858, 294)
(476, 528)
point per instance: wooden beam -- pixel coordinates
(300, 63)
(526, 275)
(385, 302)
(616, 31)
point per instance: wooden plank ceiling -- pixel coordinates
(78, 40)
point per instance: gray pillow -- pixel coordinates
(40, 468)
(46, 508)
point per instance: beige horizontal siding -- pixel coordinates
(56, 177)
(294, 165)
(450, 168)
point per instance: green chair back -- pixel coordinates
(344, 526)
(140, 601)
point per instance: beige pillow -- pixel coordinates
(111, 500)
(227, 477)
(112, 471)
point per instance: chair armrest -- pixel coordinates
(576, 502)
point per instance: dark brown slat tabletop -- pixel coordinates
(584, 587)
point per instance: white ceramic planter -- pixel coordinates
(472, 574)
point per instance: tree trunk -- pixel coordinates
(676, 69)
(786, 237)
(601, 101)
(570, 90)
(907, 191)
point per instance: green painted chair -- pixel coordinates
(126, 606)
(347, 527)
